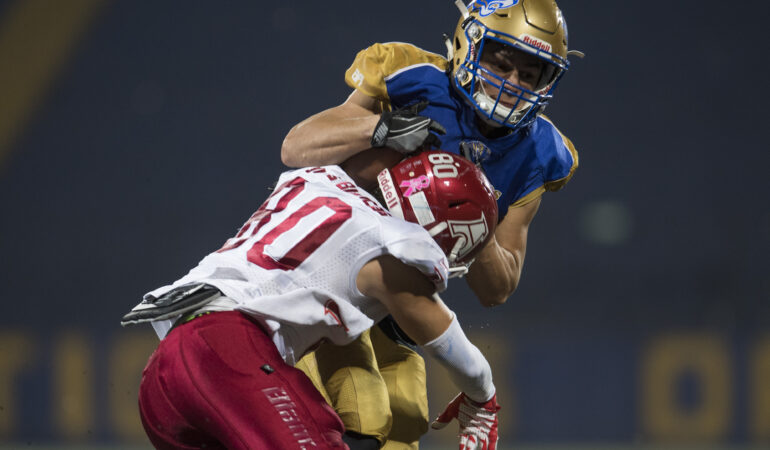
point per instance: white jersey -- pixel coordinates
(293, 265)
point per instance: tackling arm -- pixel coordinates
(333, 135)
(409, 297)
(495, 273)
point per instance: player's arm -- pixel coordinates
(409, 297)
(333, 135)
(495, 273)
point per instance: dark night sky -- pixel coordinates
(162, 132)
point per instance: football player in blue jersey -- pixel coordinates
(485, 100)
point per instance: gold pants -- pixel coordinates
(376, 386)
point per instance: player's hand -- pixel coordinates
(478, 422)
(406, 131)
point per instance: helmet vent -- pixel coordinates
(542, 16)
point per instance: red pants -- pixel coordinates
(210, 385)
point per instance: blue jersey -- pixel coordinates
(521, 165)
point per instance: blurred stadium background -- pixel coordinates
(136, 136)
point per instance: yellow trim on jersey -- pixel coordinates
(375, 64)
(558, 184)
(534, 195)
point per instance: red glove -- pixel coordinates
(478, 422)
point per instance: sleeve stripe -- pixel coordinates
(396, 73)
(529, 197)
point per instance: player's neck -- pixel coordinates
(490, 132)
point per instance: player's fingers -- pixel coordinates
(436, 127)
(439, 425)
(419, 106)
(451, 411)
(465, 444)
(444, 418)
(432, 141)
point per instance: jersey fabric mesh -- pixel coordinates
(315, 298)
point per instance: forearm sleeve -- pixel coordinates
(467, 367)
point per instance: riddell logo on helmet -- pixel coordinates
(389, 194)
(535, 42)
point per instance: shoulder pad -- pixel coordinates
(374, 64)
(566, 158)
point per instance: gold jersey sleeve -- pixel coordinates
(373, 65)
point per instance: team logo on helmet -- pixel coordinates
(487, 7)
(469, 232)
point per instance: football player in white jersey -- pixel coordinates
(320, 260)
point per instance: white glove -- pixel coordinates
(478, 422)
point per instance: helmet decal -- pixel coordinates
(469, 232)
(390, 194)
(535, 42)
(415, 184)
(421, 209)
(487, 7)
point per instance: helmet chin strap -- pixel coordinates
(452, 257)
(438, 229)
(463, 9)
(458, 270)
(450, 51)
(487, 105)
